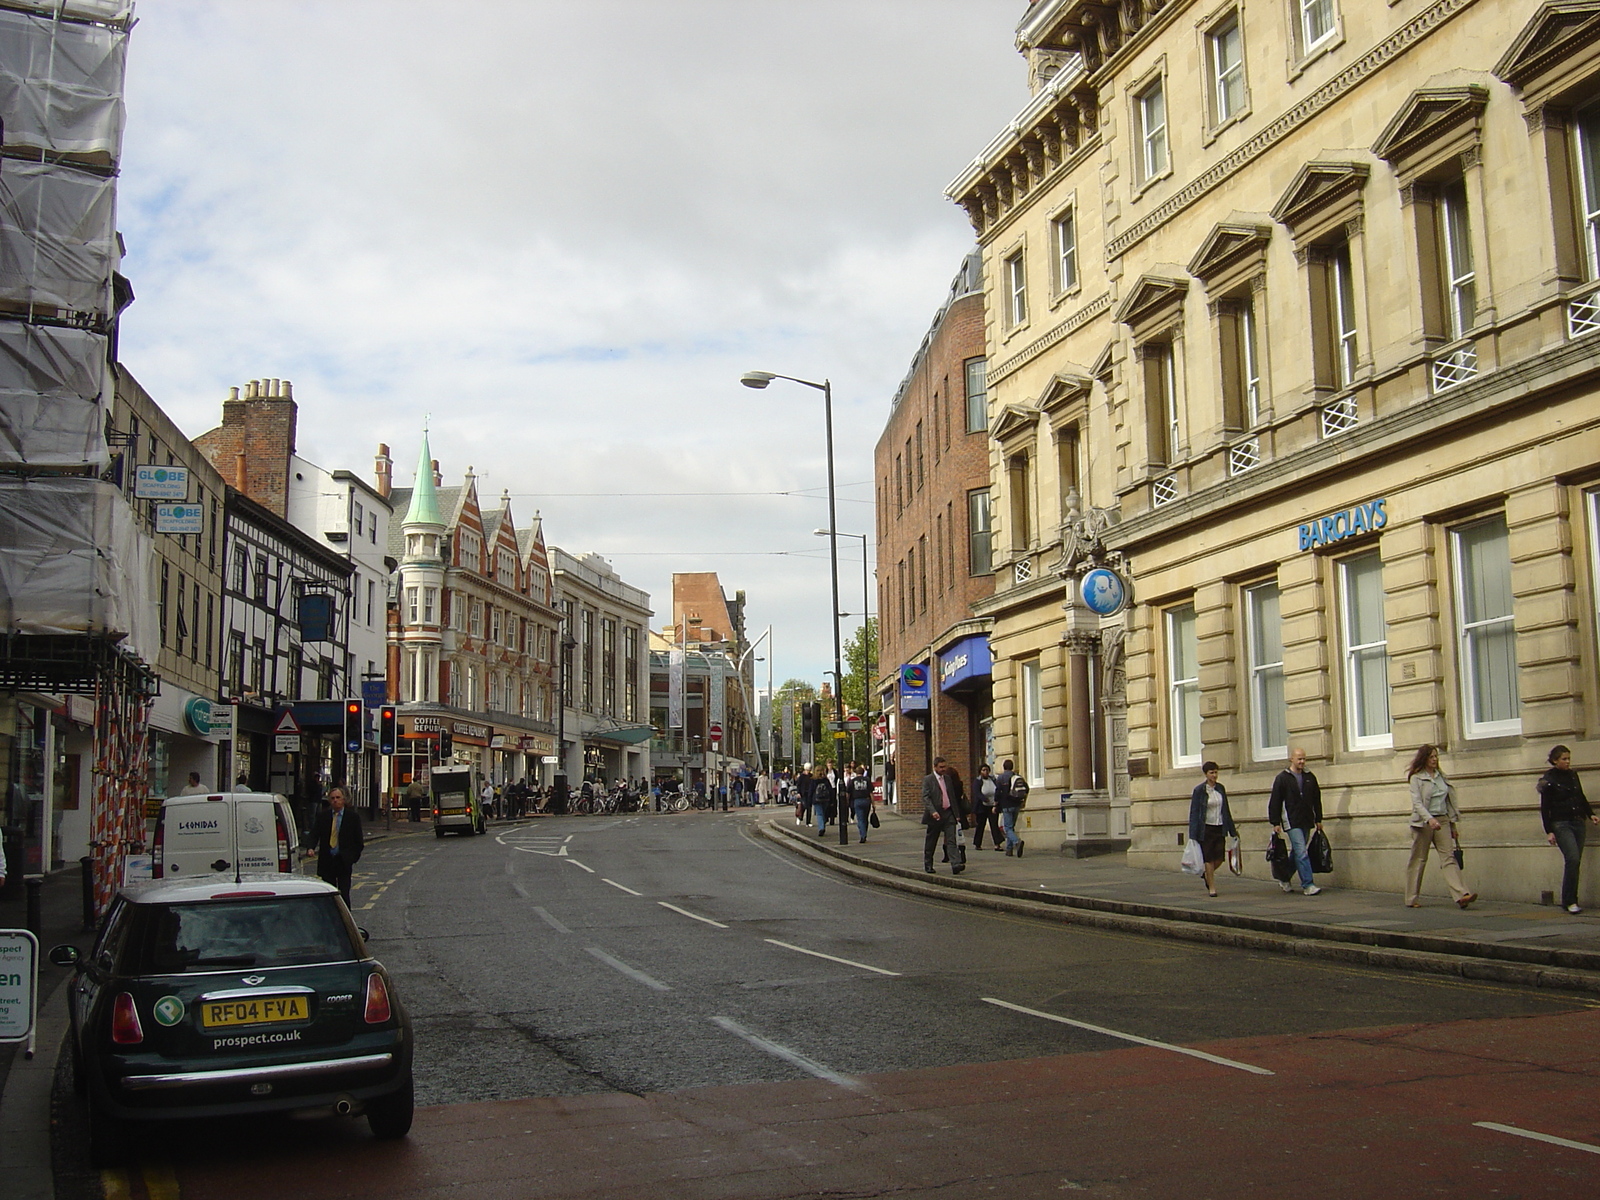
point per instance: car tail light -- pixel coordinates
(377, 1000)
(158, 852)
(285, 865)
(125, 1027)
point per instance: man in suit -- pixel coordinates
(336, 839)
(944, 812)
(1296, 795)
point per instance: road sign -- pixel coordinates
(853, 724)
(287, 724)
(715, 732)
(374, 692)
(286, 743)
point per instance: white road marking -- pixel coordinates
(687, 913)
(520, 890)
(576, 863)
(630, 972)
(830, 957)
(550, 921)
(568, 838)
(1538, 1137)
(1130, 1037)
(793, 1057)
(619, 887)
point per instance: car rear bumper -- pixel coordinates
(274, 1074)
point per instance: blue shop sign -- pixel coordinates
(913, 688)
(964, 662)
(1104, 592)
(1337, 527)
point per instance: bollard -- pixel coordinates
(87, 863)
(35, 885)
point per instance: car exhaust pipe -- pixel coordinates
(343, 1107)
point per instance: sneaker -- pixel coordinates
(1020, 845)
(1573, 908)
(1284, 884)
(1008, 851)
(1311, 891)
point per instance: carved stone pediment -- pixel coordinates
(1562, 34)
(1104, 366)
(1153, 300)
(1320, 194)
(1226, 246)
(1013, 421)
(1432, 123)
(1065, 390)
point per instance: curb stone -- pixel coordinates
(1361, 947)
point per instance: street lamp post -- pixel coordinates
(759, 380)
(866, 606)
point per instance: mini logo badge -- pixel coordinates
(169, 1010)
(253, 980)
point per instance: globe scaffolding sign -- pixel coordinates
(151, 482)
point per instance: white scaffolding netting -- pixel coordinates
(55, 385)
(61, 82)
(74, 560)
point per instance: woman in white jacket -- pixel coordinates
(1433, 805)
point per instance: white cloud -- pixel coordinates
(564, 230)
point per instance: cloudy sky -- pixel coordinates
(560, 230)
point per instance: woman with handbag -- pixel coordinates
(1564, 808)
(1210, 823)
(1433, 804)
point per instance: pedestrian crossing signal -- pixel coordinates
(386, 729)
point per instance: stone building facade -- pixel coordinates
(1312, 289)
(935, 561)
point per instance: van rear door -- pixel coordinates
(196, 837)
(256, 824)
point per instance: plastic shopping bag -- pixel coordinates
(1193, 859)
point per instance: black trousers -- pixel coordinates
(334, 870)
(986, 817)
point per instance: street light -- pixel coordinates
(759, 380)
(866, 607)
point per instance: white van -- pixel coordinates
(199, 837)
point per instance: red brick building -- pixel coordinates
(934, 561)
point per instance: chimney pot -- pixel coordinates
(233, 393)
(288, 390)
(241, 472)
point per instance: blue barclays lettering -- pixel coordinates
(1351, 522)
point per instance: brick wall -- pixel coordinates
(923, 535)
(260, 425)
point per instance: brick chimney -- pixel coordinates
(253, 444)
(383, 471)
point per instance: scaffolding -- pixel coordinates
(75, 599)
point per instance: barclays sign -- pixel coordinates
(1341, 526)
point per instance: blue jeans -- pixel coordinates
(1302, 860)
(1008, 822)
(820, 811)
(861, 809)
(1569, 838)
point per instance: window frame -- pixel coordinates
(1031, 685)
(1223, 111)
(1454, 214)
(1261, 671)
(1587, 181)
(979, 367)
(1471, 726)
(979, 498)
(1014, 269)
(1350, 651)
(1179, 688)
(1064, 250)
(1148, 137)
(1305, 44)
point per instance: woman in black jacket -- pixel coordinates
(1211, 822)
(1564, 808)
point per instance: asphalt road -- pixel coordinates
(677, 1005)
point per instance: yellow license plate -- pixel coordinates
(258, 1010)
(452, 812)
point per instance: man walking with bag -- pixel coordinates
(1011, 792)
(944, 811)
(1296, 793)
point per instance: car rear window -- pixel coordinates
(282, 931)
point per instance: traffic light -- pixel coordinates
(446, 747)
(352, 727)
(811, 722)
(386, 729)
